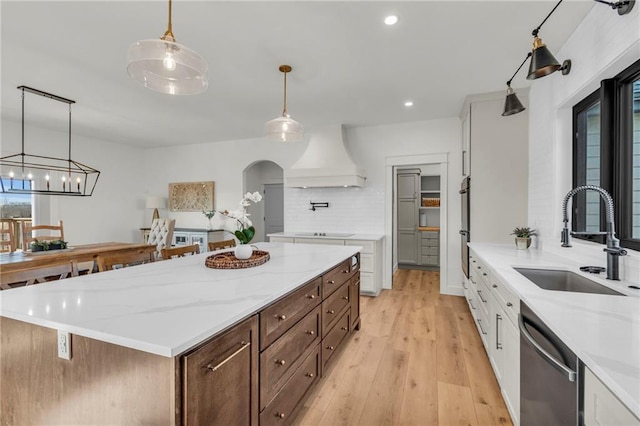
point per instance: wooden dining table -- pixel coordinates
(82, 253)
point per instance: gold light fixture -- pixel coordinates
(166, 66)
(284, 128)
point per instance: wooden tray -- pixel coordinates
(228, 260)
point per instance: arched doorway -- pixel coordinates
(265, 177)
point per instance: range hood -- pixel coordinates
(325, 163)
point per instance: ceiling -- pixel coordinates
(348, 67)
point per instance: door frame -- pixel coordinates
(391, 163)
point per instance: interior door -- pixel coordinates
(408, 191)
(273, 209)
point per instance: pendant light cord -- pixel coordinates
(169, 32)
(519, 68)
(284, 109)
(535, 32)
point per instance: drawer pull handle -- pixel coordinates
(484, 274)
(346, 271)
(481, 298)
(216, 367)
(509, 304)
(494, 286)
(479, 267)
(280, 415)
(281, 317)
(311, 296)
(331, 311)
(330, 348)
(310, 332)
(345, 297)
(344, 328)
(331, 282)
(310, 375)
(281, 361)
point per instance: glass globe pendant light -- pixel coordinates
(284, 128)
(166, 66)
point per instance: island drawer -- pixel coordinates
(332, 308)
(333, 279)
(282, 409)
(280, 316)
(280, 359)
(335, 337)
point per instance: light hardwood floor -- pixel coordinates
(417, 360)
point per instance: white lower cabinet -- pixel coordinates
(370, 258)
(495, 308)
(601, 407)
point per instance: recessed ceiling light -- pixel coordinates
(408, 104)
(391, 20)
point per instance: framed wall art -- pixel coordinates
(191, 196)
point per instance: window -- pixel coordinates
(606, 153)
(15, 205)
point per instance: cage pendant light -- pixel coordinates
(26, 173)
(284, 128)
(166, 66)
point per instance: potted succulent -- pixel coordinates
(523, 237)
(47, 245)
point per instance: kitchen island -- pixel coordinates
(141, 336)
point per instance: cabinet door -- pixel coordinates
(199, 238)
(407, 217)
(466, 143)
(354, 300)
(220, 379)
(511, 367)
(180, 239)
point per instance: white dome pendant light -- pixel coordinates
(284, 128)
(166, 66)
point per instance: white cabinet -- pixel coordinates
(601, 407)
(370, 258)
(185, 237)
(495, 310)
(495, 155)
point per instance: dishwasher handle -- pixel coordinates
(571, 375)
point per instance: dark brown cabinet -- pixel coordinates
(220, 379)
(354, 299)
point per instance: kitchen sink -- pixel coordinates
(322, 234)
(551, 279)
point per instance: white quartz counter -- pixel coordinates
(603, 330)
(329, 236)
(169, 306)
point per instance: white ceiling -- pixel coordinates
(348, 67)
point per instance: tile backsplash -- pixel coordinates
(351, 210)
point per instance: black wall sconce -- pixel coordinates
(542, 60)
(512, 104)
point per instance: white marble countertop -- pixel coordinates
(168, 306)
(329, 236)
(603, 330)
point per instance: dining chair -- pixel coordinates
(125, 258)
(38, 274)
(181, 251)
(28, 237)
(7, 236)
(219, 245)
(161, 234)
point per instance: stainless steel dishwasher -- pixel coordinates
(550, 375)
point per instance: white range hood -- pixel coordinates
(325, 163)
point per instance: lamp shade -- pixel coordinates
(156, 202)
(167, 67)
(284, 129)
(512, 104)
(542, 61)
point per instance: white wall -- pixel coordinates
(601, 46)
(358, 210)
(111, 214)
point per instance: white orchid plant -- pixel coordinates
(243, 227)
